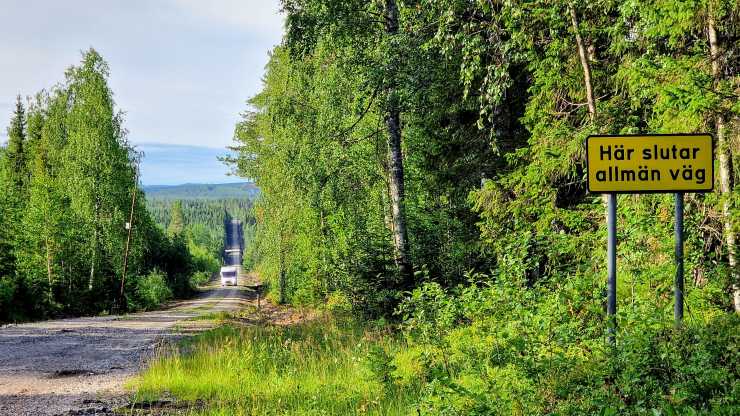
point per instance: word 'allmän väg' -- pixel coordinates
(649, 163)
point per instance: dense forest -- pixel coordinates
(69, 189)
(201, 221)
(423, 162)
(207, 212)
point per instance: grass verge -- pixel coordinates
(321, 367)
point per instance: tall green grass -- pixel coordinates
(323, 367)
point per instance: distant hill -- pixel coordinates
(244, 190)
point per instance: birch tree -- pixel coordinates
(96, 167)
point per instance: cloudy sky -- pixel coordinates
(180, 69)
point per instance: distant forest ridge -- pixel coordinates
(243, 190)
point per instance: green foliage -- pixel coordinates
(489, 349)
(333, 183)
(508, 244)
(176, 220)
(96, 167)
(68, 176)
(16, 152)
(7, 290)
(152, 290)
(203, 260)
(200, 278)
(203, 217)
(7, 259)
(315, 138)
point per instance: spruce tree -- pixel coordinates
(16, 152)
(12, 197)
(177, 221)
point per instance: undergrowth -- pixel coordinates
(322, 367)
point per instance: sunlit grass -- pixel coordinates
(315, 368)
(220, 316)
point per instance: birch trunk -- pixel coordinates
(583, 54)
(725, 167)
(395, 155)
(94, 247)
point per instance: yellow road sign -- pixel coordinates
(650, 163)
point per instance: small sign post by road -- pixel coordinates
(633, 164)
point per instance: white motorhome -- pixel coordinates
(228, 275)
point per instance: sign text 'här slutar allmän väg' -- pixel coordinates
(650, 163)
(676, 163)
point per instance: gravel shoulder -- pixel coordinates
(54, 367)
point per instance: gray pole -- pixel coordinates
(679, 287)
(128, 238)
(611, 286)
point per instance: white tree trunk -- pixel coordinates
(395, 155)
(583, 54)
(725, 167)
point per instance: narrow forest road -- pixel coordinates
(54, 367)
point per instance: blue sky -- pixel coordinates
(170, 164)
(181, 70)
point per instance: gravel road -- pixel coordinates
(54, 367)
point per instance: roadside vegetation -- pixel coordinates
(339, 366)
(432, 153)
(324, 366)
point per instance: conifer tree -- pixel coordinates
(16, 151)
(13, 176)
(177, 221)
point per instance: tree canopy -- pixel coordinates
(459, 127)
(68, 177)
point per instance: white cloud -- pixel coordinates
(255, 15)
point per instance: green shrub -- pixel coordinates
(152, 290)
(200, 278)
(498, 349)
(202, 259)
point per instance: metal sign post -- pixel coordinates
(678, 287)
(611, 286)
(635, 164)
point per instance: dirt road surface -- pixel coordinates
(54, 367)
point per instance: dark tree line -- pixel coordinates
(201, 223)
